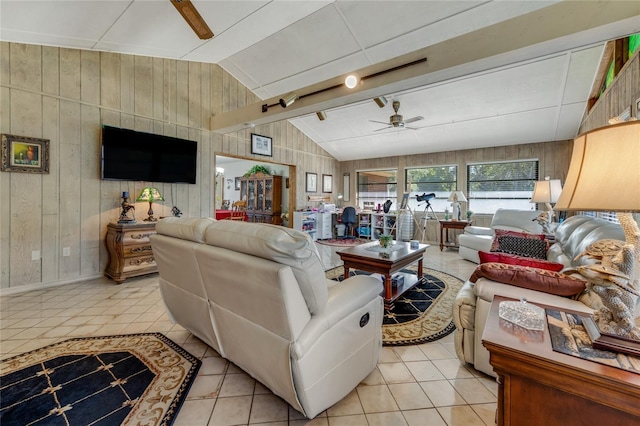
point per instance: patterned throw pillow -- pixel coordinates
(513, 259)
(531, 278)
(526, 247)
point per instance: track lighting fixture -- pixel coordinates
(381, 101)
(288, 100)
(351, 81)
(321, 115)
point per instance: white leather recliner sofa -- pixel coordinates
(479, 238)
(473, 302)
(258, 295)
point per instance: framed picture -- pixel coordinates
(237, 184)
(327, 183)
(261, 145)
(24, 154)
(312, 182)
(405, 200)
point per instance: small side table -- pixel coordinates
(451, 224)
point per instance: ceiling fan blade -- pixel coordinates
(379, 122)
(383, 128)
(193, 18)
(412, 119)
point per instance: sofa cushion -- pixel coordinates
(191, 229)
(520, 243)
(512, 259)
(520, 220)
(279, 244)
(531, 278)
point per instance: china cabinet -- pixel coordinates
(263, 194)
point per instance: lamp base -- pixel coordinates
(610, 342)
(150, 213)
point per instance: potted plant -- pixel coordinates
(258, 168)
(385, 241)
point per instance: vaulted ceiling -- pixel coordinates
(497, 72)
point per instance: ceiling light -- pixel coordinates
(351, 81)
(288, 100)
(321, 115)
(380, 101)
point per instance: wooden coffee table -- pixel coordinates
(359, 257)
(538, 386)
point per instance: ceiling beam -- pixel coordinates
(514, 40)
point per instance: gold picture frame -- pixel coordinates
(24, 154)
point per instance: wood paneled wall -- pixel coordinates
(65, 95)
(623, 93)
(553, 157)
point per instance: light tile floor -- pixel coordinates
(413, 385)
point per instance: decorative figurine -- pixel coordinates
(126, 216)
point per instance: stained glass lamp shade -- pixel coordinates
(150, 194)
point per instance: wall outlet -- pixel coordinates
(35, 255)
(66, 251)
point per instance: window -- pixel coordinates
(507, 185)
(377, 186)
(608, 216)
(440, 180)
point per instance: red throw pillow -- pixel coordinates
(532, 278)
(512, 259)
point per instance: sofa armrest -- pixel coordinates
(478, 230)
(344, 299)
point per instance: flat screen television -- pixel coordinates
(132, 155)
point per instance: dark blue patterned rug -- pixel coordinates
(113, 380)
(421, 315)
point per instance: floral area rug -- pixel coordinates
(423, 314)
(347, 242)
(135, 379)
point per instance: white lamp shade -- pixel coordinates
(604, 174)
(547, 191)
(460, 196)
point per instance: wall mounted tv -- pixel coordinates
(132, 155)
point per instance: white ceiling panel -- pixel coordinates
(303, 45)
(581, 73)
(254, 21)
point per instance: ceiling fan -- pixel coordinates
(193, 18)
(396, 119)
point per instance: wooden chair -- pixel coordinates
(238, 211)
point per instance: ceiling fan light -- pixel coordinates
(288, 100)
(351, 81)
(381, 101)
(321, 115)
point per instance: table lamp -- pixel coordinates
(604, 175)
(150, 194)
(456, 197)
(547, 191)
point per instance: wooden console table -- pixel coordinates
(451, 224)
(130, 252)
(538, 386)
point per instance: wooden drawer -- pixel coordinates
(139, 263)
(134, 250)
(138, 236)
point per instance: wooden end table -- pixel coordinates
(358, 257)
(451, 224)
(538, 386)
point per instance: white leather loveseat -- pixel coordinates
(479, 238)
(473, 302)
(258, 295)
